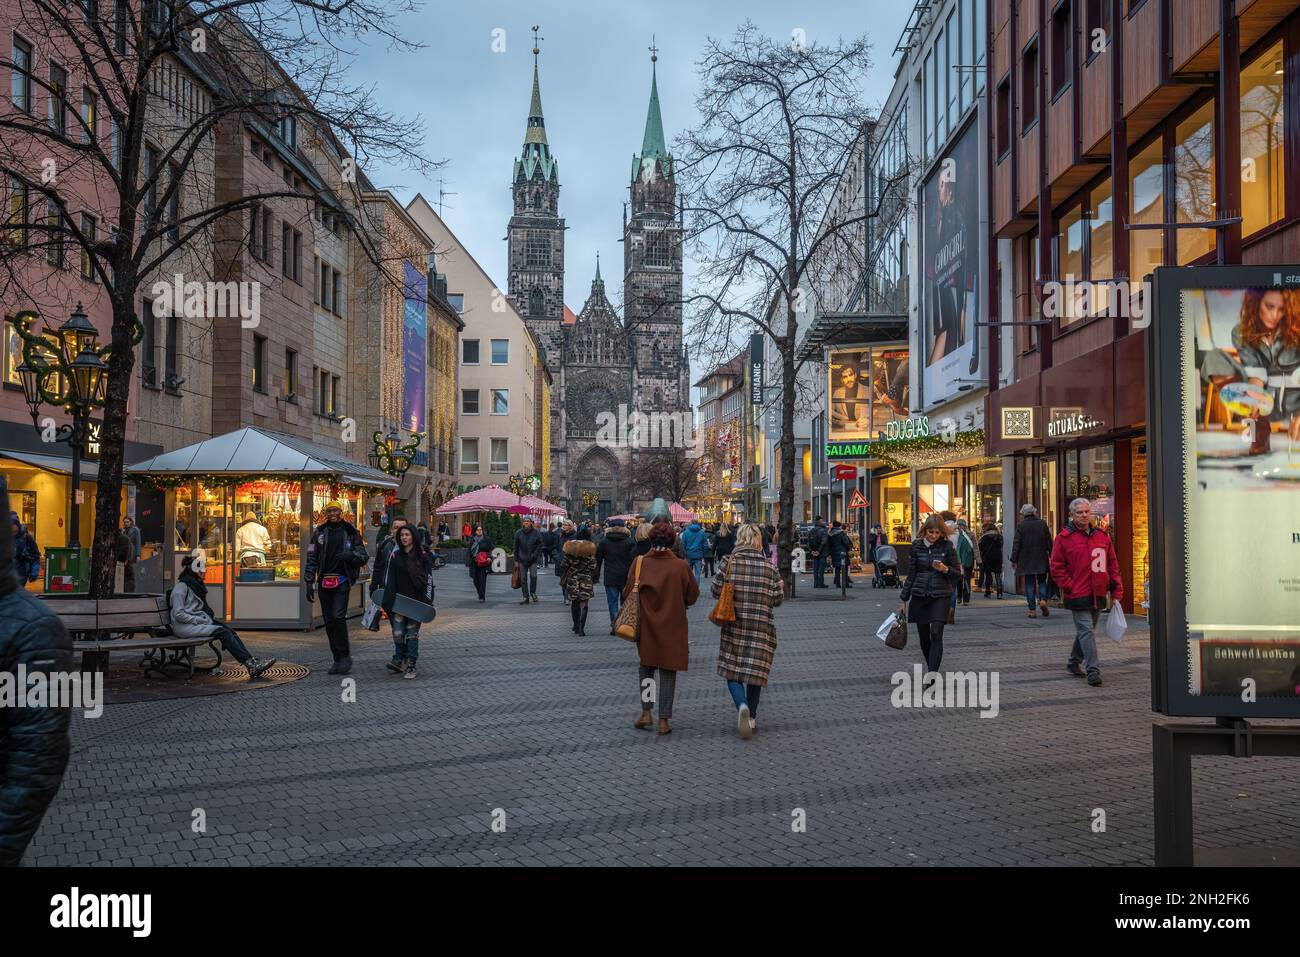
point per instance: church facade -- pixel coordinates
(606, 367)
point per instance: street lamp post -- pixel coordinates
(389, 455)
(64, 367)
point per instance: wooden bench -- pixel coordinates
(93, 623)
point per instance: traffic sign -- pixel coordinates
(857, 501)
(846, 473)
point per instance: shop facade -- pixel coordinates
(248, 501)
(1078, 430)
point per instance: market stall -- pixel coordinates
(249, 500)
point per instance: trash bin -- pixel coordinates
(67, 570)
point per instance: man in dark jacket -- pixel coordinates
(615, 555)
(548, 544)
(1030, 549)
(26, 553)
(990, 547)
(528, 552)
(567, 533)
(34, 742)
(840, 546)
(335, 556)
(1086, 569)
(817, 542)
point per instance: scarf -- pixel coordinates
(199, 588)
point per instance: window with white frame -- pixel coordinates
(469, 352)
(500, 455)
(469, 455)
(469, 401)
(500, 401)
(500, 352)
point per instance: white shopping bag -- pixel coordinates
(883, 631)
(1116, 623)
(370, 617)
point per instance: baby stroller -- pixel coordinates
(886, 564)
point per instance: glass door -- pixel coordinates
(1049, 492)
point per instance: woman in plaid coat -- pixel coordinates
(748, 643)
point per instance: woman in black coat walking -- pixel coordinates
(724, 543)
(932, 575)
(409, 573)
(990, 546)
(478, 569)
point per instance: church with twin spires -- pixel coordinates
(600, 360)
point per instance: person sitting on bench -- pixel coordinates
(193, 618)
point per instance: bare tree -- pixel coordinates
(151, 185)
(780, 124)
(671, 473)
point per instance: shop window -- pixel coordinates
(1194, 182)
(1263, 170)
(208, 532)
(268, 532)
(895, 497)
(1147, 204)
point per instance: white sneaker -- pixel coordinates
(743, 727)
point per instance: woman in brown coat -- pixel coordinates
(749, 642)
(579, 575)
(668, 588)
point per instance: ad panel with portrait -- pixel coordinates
(1230, 345)
(868, 389)
(950, 256)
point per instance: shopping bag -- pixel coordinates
(628, 623)
(516, 579)
(893, 632)
(370, 617)
(1116, 623)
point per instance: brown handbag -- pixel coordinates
(628, 623)
(724, 612)
(516, 579)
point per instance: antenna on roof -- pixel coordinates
(442, 194)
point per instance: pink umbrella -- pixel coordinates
(680, 514)
(493, 498)
(539, 506)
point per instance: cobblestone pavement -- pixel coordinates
(515, 720)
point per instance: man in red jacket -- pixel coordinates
(1086, 568)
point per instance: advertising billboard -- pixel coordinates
(950, 254)
(414, 326)
(868, 389)
(1223, 403)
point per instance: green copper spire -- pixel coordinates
(536, 124)
(537, 153)
(653, 143)
(653, 157)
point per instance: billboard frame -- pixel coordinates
(1167, 506)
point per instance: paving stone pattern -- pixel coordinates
(511, 711)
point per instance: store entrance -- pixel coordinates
(1047, 491)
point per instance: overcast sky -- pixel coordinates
(595, 81)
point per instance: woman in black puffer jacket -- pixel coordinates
(932, 574)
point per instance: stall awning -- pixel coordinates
(254, 452)
(59, 464)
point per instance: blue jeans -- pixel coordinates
(745, 694)
(819, 569)
(695, 568)
(615, 598)
(406, 637)
(1035, 590)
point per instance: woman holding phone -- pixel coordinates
(932, 575)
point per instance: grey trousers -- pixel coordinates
(663, 691)
(1085, 643)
